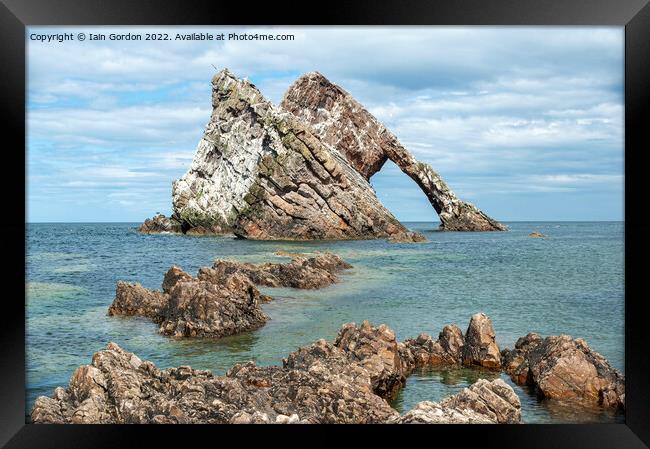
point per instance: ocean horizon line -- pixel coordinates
(403, 221)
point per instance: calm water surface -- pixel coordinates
(570, 282)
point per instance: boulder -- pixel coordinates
(408, 237)
(484, 402)
(560, 367)
(480, 347)
(375, 349)
(423, 351)
(135, 300)
(205, 309)
(343, 123)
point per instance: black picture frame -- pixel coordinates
(15, 15)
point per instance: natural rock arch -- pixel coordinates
(343, 123)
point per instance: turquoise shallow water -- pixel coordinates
(570, 282)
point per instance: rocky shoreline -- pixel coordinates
(345, 381)
(299, 171)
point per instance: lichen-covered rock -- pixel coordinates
(341, 122)
(480, 343)
(264, 175)
(160, 224)
(304, 272)
(484, 402)
(375, 349)
(561, 367)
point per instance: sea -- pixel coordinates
(570, 282)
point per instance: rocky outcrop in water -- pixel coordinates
(319, 383)
(560, 367)
(302, 272)
(160, 224)
(484, 402)
(299, 172)
(264, 175)
(476, 348)
(221, 300)
(480, 343)
(189, 307)
(377, 350)
(343, 123)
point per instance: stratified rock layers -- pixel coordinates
(341, 122)
(264, 175)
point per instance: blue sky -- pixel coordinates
(525, 122)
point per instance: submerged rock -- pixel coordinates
(536, 234)
(302, 272)
(408, 237)
(343, 123)
(319, 383)
(484, 402)
(264, 175)
(560, 367)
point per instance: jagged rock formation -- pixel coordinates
(221, 300)
(560, 367)
(343, 123)
(480, 343)
(160, 224)
(189, 307)
(476, 348)
(319, 383)
(264, 175)
(484, 402)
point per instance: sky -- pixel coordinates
(524, 122)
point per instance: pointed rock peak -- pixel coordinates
(226, 85)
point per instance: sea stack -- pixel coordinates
(264, 175)
(343, 123)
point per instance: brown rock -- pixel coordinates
(375, 349)
(341, 122)
(484, 402)
(536, 234)
(160, 224)
(172, 277)
(561, 367)
(135, 300)
(303, 272)
(446, 351)
(480, 343)
(408, 237)
(205, 309)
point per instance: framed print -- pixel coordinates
(381, 214)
